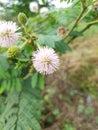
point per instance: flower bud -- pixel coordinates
(22, 18)
(13, 52)
(61, 31)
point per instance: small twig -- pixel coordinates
(93, 22)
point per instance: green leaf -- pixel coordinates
(34, 79)
(3, 63)
(8, 84)
(18, 84)
(22, 110)
(69, 127)
(56, 112)
(3, 49)
(41, 81)
(3, 86)
(22, 59)
(1, 126)
(44, 1)
(76, 33)
(48, 40)
(2, 73)
(89, 110)
(62, 47)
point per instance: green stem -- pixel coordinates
(22, 38)
(85, 15)
(76, 22)
(84, 29)
(25, 30)
(23, 45)
(93, 22)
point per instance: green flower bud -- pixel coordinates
(22, 18)
(13, 52)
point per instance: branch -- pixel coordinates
(84, 29)
(76, 22)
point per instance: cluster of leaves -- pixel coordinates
(20, 101)
(16, 115)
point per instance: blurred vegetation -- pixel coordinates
(11, 9)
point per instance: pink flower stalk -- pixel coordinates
(8, 34)
(45, 60)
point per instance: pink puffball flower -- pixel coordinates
(45, 60)
(8, 34)
(33, 6)
(44, 10)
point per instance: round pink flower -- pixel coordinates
(33, 6)
(8, 34)
(45, 60)
(44, 10)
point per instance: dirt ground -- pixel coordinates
(71, 94)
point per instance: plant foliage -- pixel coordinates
(16, 115)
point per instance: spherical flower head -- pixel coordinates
(13, 52)
(8, 33)
(44, 10)
(22, 18)
(45, 60)
(33, 6)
